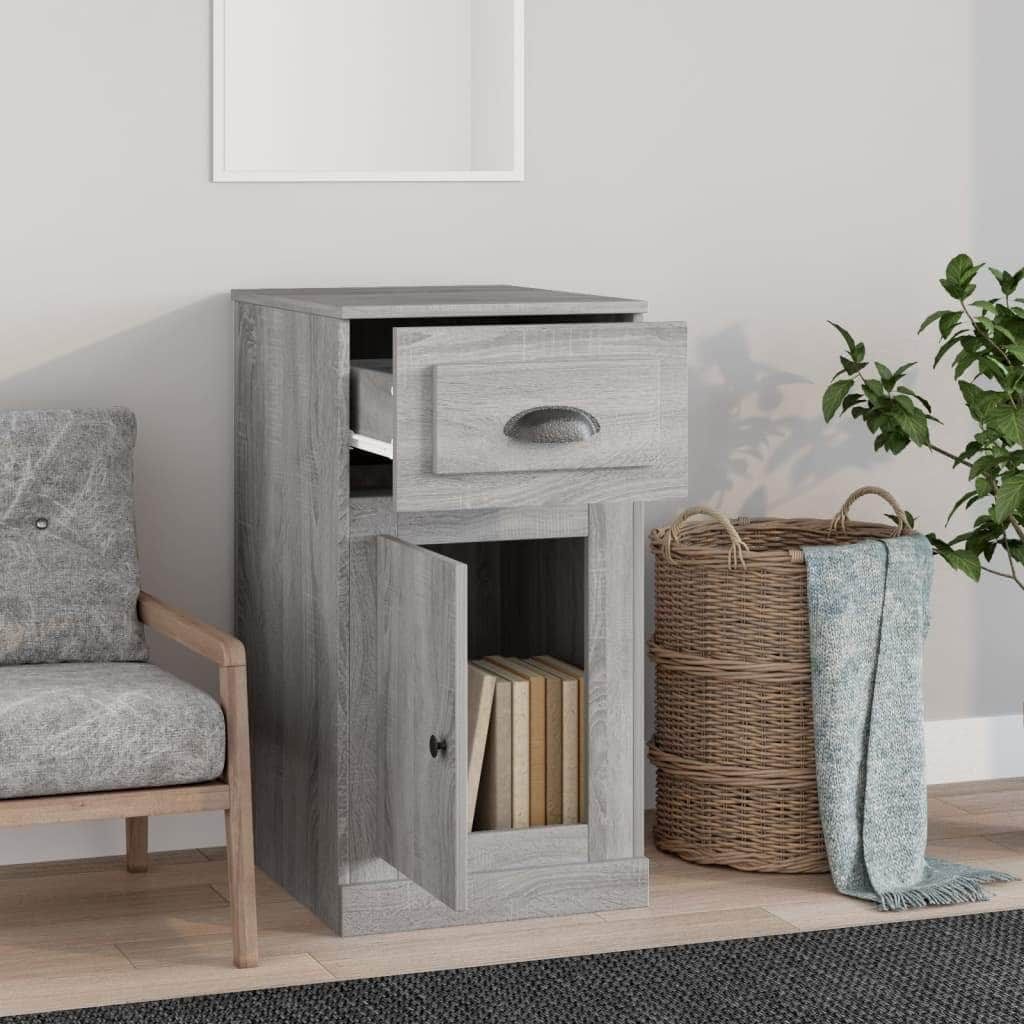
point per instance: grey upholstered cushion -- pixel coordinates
(69, 575)
(92, 727)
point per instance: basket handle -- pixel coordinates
(666, 535)
(839, 522)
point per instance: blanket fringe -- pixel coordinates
(965, 889)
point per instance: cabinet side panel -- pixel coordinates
(611, 682)
(291, 530)
(369, 518)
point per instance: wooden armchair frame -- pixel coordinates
(232, 793)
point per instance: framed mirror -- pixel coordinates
(368, 90)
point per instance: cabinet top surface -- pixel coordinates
(446, 301)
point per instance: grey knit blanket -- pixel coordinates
(869, 614)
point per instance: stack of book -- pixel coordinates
(526, 743)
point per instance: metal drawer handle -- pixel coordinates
(552, 424)
(437, 746)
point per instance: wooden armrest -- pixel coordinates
(207, 641)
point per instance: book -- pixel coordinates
(519, 745)
(538, 729)
(481, 704)
(574, 730)
(553, 699)
(494, 803)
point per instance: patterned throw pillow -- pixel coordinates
(69, 572)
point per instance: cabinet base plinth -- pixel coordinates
(558, 891)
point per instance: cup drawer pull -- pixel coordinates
(552, 424)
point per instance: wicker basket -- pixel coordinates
(734, 740)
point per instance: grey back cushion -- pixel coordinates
(69, 571)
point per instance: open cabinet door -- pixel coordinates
(422, 662)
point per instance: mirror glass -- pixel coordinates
(355, 90)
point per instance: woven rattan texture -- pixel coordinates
(734, 738)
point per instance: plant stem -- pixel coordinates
(1011, 575)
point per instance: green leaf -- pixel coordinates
(963, 362)
(988, 367)
(1015, 549)
(886, 374)
(1007, 334)
(960, 272)
(913, 394)
(963, 561)
(980, 467)
(948, 322)
(1008, 498)
(833, 397)
(959, 267)
(913, 423)
(847, 337)
(1008, 421)
(874, 390)
(964, 499)
(943, 350)
(1008, 283)
(896, 519)
(932, 317)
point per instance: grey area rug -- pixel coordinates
(944, 971)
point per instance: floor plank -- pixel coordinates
(98, 935)
(448, 948)
(48, 868)
(284, 928)
(946, 790)
(136, 985)
(22, 961)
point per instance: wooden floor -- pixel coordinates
(84, 933)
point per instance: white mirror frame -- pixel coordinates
(222, 173)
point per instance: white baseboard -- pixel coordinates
(970, 749)
(106, 838)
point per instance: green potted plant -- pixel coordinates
(984, 340)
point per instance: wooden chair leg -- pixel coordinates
(238, 821)
(242, 889)
(137, 844)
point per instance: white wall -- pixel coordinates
(753, 169)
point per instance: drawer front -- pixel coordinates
(551, 414)
(508, 415)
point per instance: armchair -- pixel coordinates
(88, 728)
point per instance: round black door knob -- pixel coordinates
(42, 523)
(437, 746)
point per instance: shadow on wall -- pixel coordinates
(740, 431)
(177, 373)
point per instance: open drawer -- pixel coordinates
(437, 608)
(506, 415)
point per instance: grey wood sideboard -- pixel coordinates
(423, 476)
